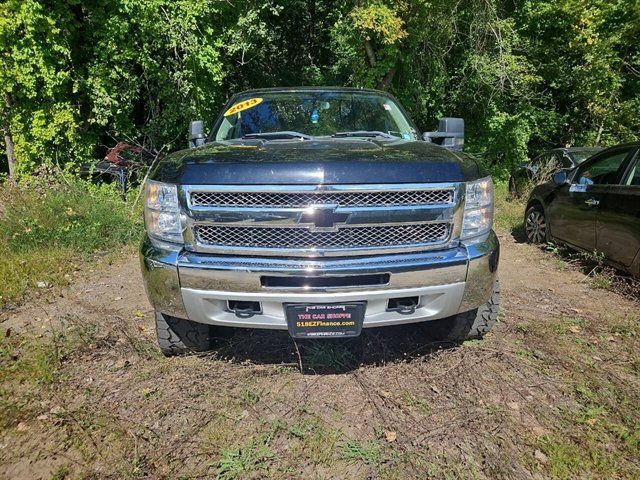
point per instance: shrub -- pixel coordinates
(50, 222)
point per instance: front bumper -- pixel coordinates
(198, 286)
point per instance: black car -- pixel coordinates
(595, 206)
(543, 166)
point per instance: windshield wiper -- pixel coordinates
(364, 133)
(283, 135)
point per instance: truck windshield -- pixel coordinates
(307, 114)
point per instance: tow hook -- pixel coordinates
(404, 305)
(244, 309)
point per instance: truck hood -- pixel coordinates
(326, 161)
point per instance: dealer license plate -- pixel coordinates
(325, 320)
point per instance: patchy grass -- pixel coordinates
(29, 365)
(598, 434)
(368, 452)
(250, 458)
(594, 266)
(48, 225)
(315, 440)
(509, 212)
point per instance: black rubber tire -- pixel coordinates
(532, 234)
(177, 336)
(467, 325)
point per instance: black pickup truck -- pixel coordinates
(319, 211)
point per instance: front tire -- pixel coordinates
(177, 336)
(468, 325)
(535, 225)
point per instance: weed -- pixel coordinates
(315, 441)
(524, 353)
(61, 473)
(250, 396)
(367, 452)
(416, 402)
(569, 325)
(521, 328)
(249, 458)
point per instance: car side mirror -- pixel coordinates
(560, 178)
(450, 134)
(196, 134)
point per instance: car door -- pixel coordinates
(618, 219)
(572, 213)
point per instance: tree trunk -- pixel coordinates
(8, 140)
(11, 157)
(370, 52)
(599, 136)
(385, 83)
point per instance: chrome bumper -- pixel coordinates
(197, 286)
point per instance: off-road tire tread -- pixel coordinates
(485, 316)
(473, 324)
(177, 336)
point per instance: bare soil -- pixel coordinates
(552, 392)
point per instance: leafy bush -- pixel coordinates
(49, 223)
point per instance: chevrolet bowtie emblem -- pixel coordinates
(323, 218)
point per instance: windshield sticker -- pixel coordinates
(576, 187)
(244, 105)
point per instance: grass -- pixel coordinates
(313, 439)
(49, 225)
(29, 365)
(509, 212)
(328, 355)
(598, 434)
(368, 452)
(239, 462)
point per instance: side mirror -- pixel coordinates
(450, 134)
(196, 134)
(560, 178)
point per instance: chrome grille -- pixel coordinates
(303, 200)
(303, 238)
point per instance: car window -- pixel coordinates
(634, 174)
(314, 113)
(603, 171)
(565, 161)
(539, 160)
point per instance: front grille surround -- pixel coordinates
(288, 238)
(275, 220)
(205, 199)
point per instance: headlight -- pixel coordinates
(478, 208)
(162, 212)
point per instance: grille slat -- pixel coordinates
(303, 200)
(302, 238)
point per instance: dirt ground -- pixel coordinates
(552, 392)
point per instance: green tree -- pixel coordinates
(527, 75)
(39, 117)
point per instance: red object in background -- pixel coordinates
(113, 154)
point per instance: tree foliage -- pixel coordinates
(76, 76)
